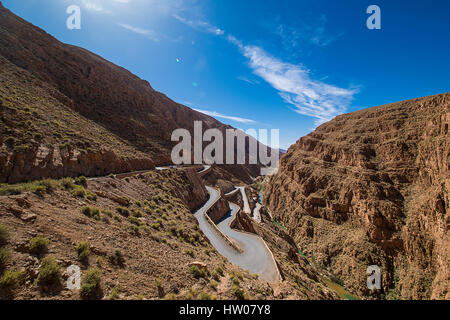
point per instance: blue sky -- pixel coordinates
(287, 65)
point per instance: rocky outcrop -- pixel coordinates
(44, 161)
(219, 210)
(372, 187)
(243, 222)
(195, 194)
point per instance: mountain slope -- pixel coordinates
(372, 187)
(99, 93)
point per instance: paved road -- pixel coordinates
(255, 258)
(256, 214)
(246, 208)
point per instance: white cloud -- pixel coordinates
(219, 115)
(200, 25)
(294, 84)
(245, 79)
(150, 34)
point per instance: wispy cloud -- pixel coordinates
(200, 25)
(294, 83)
(150, 34)
(222, 116)
(312, 32)
(96, 6)
(250, 81)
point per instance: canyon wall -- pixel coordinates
(372, 187)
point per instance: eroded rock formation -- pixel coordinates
(372, 187)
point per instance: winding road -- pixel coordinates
(256, 257)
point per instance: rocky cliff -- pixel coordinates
(372, 187)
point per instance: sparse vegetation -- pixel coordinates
(238, 292)
(115, 293)
(91, 212)
(3, 235)
(38, 245)
(123, 211)
(198, 273)
(189, 252)
(91, 284)
(11, 279)
(83, 251)
(117, 258)
(204, 296)
(4, 256)
(81, 180)
(213, 284)
(49, 273)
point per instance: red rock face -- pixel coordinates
(372, 187)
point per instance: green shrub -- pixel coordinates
(136, 214)
(108, 213)
(123, 211)
(48, 184)
(170, 296)
(134, 221)
(40, 190)
(83, 250)
(78, 191)
(115, 293)
(81, 180)
(134, 230)
(155, 226)
(38, 245)
(86, 211)
(67, 183)
(91, 196)
(238, 292)
(117, 258)
(197, 272)
(91, 212)
(4, 235)
(213, 284)
(10, 141)
(189, 252)
(4, 256)
(49, 273)
(138, 203)
(204, 296)
(12, 279)
(91, 284)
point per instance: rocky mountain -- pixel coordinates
(66, 111)
(372, 188)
